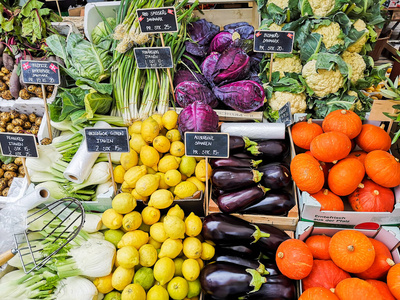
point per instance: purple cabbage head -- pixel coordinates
(201, 32)
(244, 96)
(221, 41)
(208, 66)
(189, 62)
(186, 75)
(188, 92)
(245, 30)
(198, 117)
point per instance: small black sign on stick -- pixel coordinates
(157, 20)
(207, 144)
(40, 72)
(18, 144)
(273, 41)
(285, 115)
(154, 58)
(107, 139)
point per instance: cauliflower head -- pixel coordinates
(280, 3)
(323, 82)
(275, 27)
(297, 101)
(287, 64)
(330, 34)
(356, 63)
(359, 25)
(321, 8)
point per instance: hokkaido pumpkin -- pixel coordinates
(328, 200)
(383, 168)
(356, 289)
(372, 197)
(345, 176)
(372, 138)
(307, 173)
(382, 288)
(318, 293)
(393, 280)
(294, 259)
(360, 155)
(344, 121)
(304, 132)
(324, 274)
(351, 251)
(319, 246)
(330, 146)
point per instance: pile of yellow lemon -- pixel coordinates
(158, 257)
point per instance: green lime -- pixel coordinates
(144, 276)
(113, 236)
(113, 296)
(194, 288)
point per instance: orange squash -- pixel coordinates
(319, 246)
(328, 200)
(382, 288)
(360, 155)
(345, 176)
(307, 173)
(304, 132)
(318, 293)
(383, 168)
(357, 289)
(351, 251)
(372, 138)
(344, 121)
(393, 280)
(330, 146)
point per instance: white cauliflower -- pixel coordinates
(352, 93)
(322, 82)
(287, 64)
(330, 34)
(297, 101)
(281, 3)
(357, 104)
(321, 8)
(356, 65)
(275, 27)
(359, 44)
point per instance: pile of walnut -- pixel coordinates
(7, 174)
(19, 123)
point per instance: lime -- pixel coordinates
(178, 266)
(157, 292)
(187, 165)
(113, 236)
(174, 227)
(113, 296)
(178, 288)
(144, 276)
(133, 292)
(164, 270)
(176, 211)
(194, 288)
(147, 255)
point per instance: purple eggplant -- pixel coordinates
(225, 229)
(234, 162)
(273, 150)
(277, 287)
(250, 263)
(273, 203)
(245, 155)
(234, 178)
(238, 200)
(275, 175)
(248, 251)
(269, 245)
(239, 143)
(227, 280)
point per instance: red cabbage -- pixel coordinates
(201, 33)
(244, 96)
(188, 62)
(198, 117)
(186, 75)
(220, 42)
(245, 30)
(188, 92)
(208, 66)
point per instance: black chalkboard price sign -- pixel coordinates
(157, 20)
(273, 41)
(107, 139)
(18, 144)
(285, 115)
(154, 58)
(208, 144)
(40, 72)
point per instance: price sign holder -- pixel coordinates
(107, 140)
(285, 115)
(153, 58)
(41, 72)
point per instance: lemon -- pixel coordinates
(149, 156)
(133, 174)
(161, 199)
(162, 184)
(178, 266)
(173, 135)
(200, 185)
(207, 252)
(147, 255)
(185, 189)
(177, 148)
(200, 262)
(147, 184)
(123, 203)
(122, 277)
(157, 232)
(129, 159)
(144, 276)
(113, 236)
(176, 211)
(132, 221)
(133, 291)
(139, 197)
(172, 177)
(103, 284)
(125, 188)
(135, 238)
(158, 118)
(119, 173)
(169, 119)
(178, 288)
(156, 245)
(111, 219)
(190, 269)
(168, 162)
(127, 257)
(194, 288)
(137, 142)
(164, 270)
(113, 296)
(161, 144)
(187, 165)
(150, 215)
(174, 227)
(200, 170)
(157, 292)
(151, 171)
(193, 225)
(135, 127)
(192, 247)
(149, 129)
(170, 248)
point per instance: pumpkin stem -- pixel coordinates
(335, 162)
(343, 111)
(332, 290)
(257, 280)
(309, 121)
(280, 254)
(390, 262)
(259, 234)
(350, 248)
(360, 185)
(376, 192)
(382, 126)
(396, 159)
(326, 192)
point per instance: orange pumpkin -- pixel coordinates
(356, 289)
(294, 259)
(304, 132)
(344, 121)
(383, 168)
(345, 176)
(307, 173)
(328, 200)
(360, 155)
(372, 197)
(352, 251)
(372, 138)
(382, 288)
(393, 280)
(330, 146)
(319, 246)
(318, 293)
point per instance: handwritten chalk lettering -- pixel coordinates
(207, 144)
(157, 20)
(107, 139)
(16, 144)
(46, 72)
(153, 58)
(273, 41)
